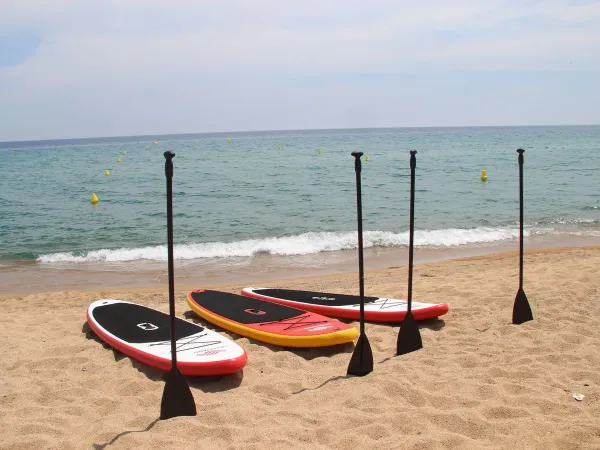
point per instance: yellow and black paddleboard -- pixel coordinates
(269, 322)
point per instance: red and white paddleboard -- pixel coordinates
(144, 334)
(347, 306)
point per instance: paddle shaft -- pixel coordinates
(361, 272)
(413, 165)
(169, 174)
(520, 152)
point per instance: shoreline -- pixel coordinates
(27, 277)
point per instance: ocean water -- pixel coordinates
(292, 192)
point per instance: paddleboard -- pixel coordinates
(269, 322)
(347, 306)
(144, 334)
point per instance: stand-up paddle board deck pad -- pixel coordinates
(347, 306)
(269, 322)
(144, 334)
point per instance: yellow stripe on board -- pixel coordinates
(321, 340)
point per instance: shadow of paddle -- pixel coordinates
(337, 377)
(124, 433)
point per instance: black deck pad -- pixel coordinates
(138, 324)
(242, 309)
(314, 298)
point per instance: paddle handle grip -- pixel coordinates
(169, 164)
(357, 162)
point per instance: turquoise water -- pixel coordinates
(272, 192)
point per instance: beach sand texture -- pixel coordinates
(479, 382)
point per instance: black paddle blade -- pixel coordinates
(361, 362)
(409, 337)
(521, 310)
(177, 399)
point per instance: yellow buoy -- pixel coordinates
(106, 173)
(147, 147)
(484, 175)
(366, 158)
(228, 139)
(320, 152)
(124, 153)
(94, 199)
(279, 147)
(155, 142)
(118, 159)
(14, 149)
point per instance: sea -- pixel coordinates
(241, 197)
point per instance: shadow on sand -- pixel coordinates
(123, 433)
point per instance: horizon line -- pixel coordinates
(227, 133)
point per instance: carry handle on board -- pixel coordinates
(521, 309)
(361, 362)
(409, 336)
(177, 399)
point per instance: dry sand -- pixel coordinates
(479, 381)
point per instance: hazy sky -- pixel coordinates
(124, 67)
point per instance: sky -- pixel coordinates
(93, 68)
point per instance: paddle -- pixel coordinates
(361, 362)
(409, 336)
(177, 399)
(521, 309)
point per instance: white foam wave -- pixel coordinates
(303, 244)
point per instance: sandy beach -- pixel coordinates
(479, 381)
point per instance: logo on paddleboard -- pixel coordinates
(318, 328)
(209, 352)
(146, 326)
(256, 312)
(323, 298)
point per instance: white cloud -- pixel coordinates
(160, 47)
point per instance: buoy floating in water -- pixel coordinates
(484, 175)
(366, 158)
(155, 142)
(228, 139)
(147, 147)
(14, 149)
(118, 159)
(124, 153)
(279, 147)
(94, 199)
(106, 173)
(320, 152)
